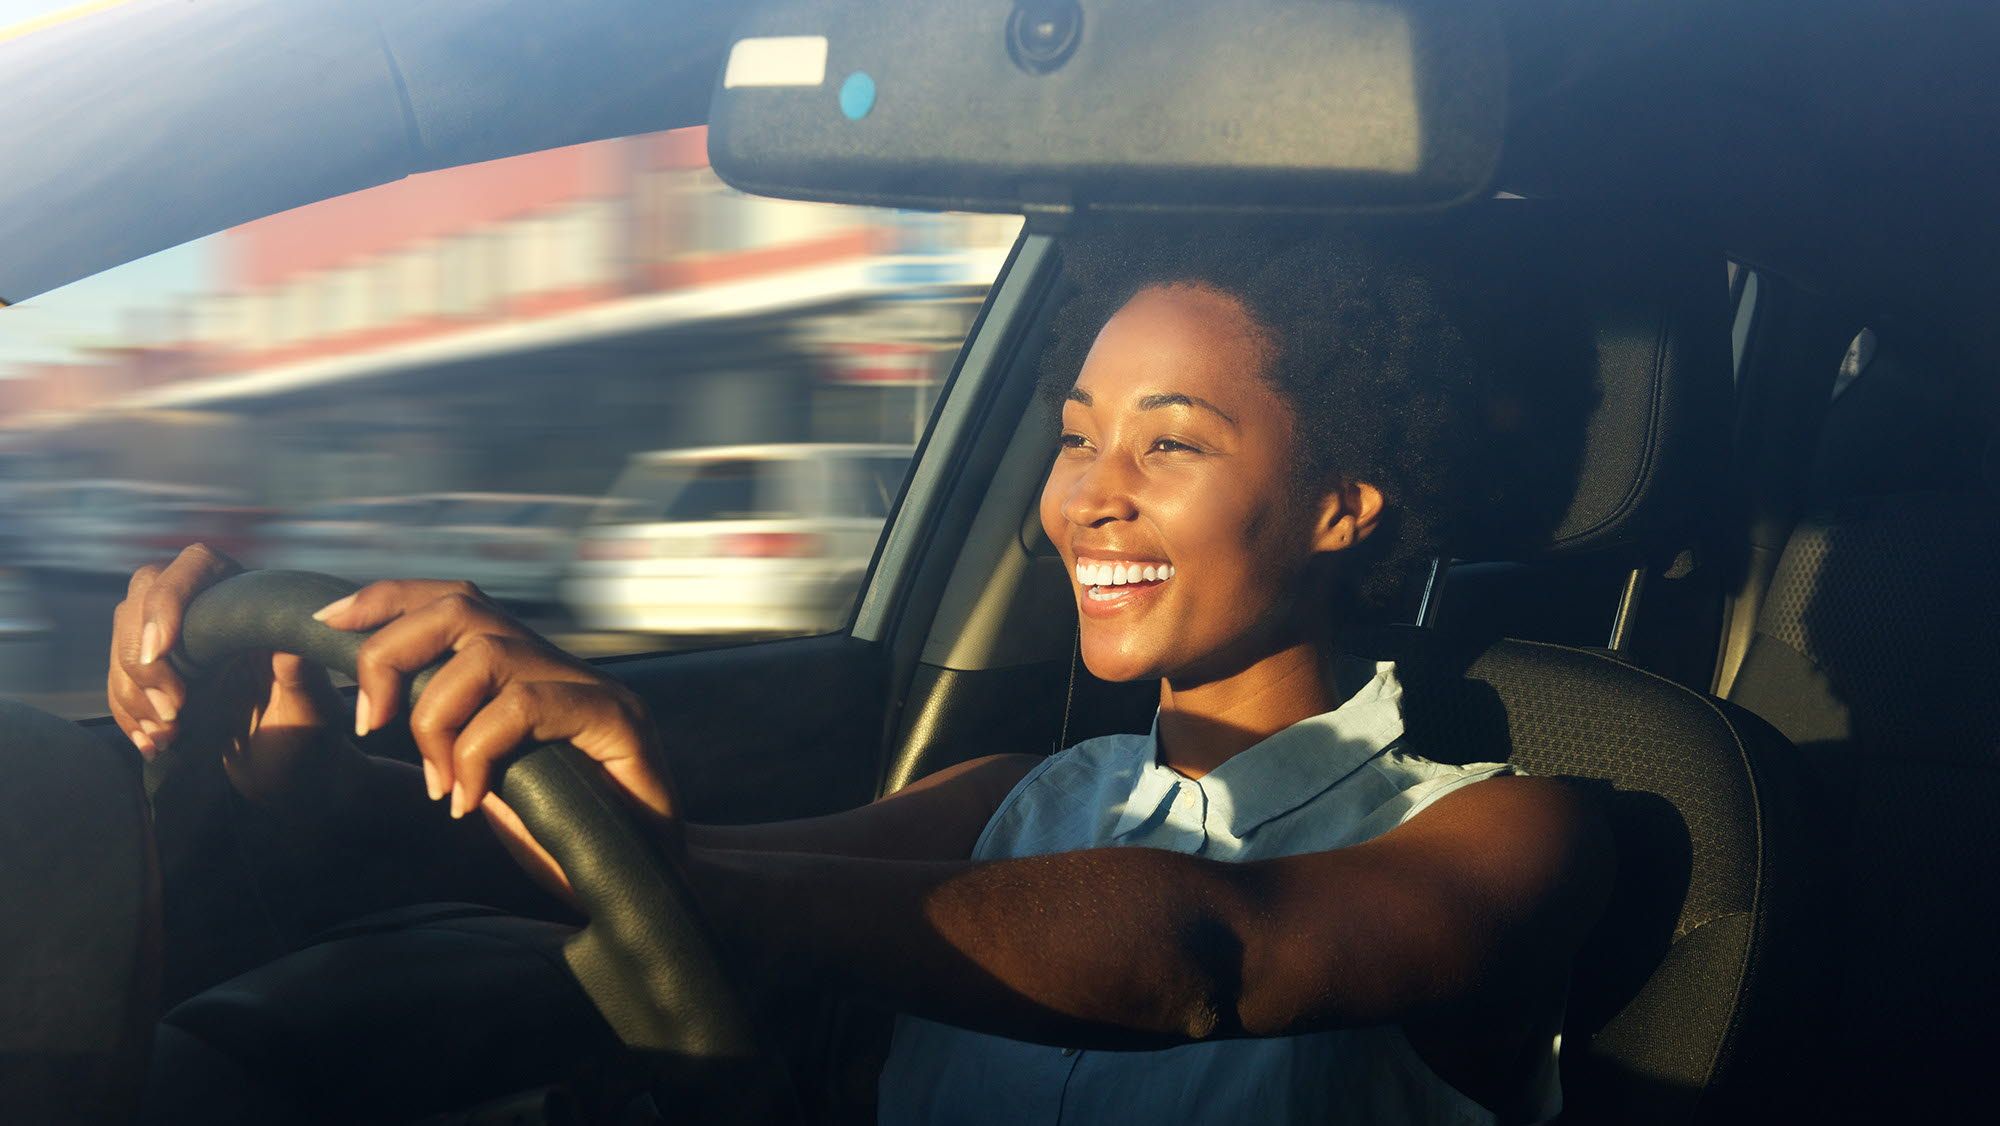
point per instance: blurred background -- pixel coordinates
(643, 409)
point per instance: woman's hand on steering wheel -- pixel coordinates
(501, 687)
(267, 713)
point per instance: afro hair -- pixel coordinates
(1369, 346)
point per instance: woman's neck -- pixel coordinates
(1204, 725)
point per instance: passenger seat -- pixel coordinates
(1877, 652)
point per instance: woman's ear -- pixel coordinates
(1347, 516)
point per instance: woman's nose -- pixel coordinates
(1103, 491)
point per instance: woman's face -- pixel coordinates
(1172, 500)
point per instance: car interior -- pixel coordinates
(1737, 580)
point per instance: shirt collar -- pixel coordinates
(1285, 770)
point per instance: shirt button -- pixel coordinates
(1069, 1051)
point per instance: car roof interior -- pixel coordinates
(1825, 143)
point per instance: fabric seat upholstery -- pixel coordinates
(1877, 650)
(80, 942)
(1683, 1001)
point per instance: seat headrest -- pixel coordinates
(1610, 408)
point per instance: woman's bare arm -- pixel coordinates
(936, 818)
(1483, 898)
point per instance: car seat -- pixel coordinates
(80, 944)
(1877, 651)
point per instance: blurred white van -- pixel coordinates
(735, 540)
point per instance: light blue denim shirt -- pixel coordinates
(1327, 782)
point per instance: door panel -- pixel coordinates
(770, 731)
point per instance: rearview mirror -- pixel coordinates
(1114, 105)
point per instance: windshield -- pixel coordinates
(472, 372)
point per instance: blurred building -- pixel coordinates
(519, 325)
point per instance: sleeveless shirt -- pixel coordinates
(1327, 782)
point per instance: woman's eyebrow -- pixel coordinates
(1176, 399)
(1156, 401)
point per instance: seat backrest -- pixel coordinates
(1683, 999)
(1880, 634)
(80, 940)
(1877, 651)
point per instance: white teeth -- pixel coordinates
(1120, 574)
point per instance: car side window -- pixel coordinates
(643, 410)
(1853, 365)
(1743, 291)
(724, 490)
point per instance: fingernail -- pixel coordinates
(145, 744)
(457, 801)
(163, 705)
(149, 643)
(362, 715)
(332, 608)
(433, 785)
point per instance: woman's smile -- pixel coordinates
(1116, 586)
(1101, 572)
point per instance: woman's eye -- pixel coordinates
(1072, 440)
(1174, 446)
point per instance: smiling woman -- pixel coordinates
(1260, 436)
(1236, 444)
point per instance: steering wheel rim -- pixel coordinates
(645, 957)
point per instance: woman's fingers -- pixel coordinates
(521, 713)
(601, 720)
(121, 714)
(167, 596)
(502, 688)
(382, 602)
(500, 728)
(146, 712)
(144, 627)
(425, 621)
(461, 687)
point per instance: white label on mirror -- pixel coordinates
(778, 60)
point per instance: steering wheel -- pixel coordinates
(645, 957)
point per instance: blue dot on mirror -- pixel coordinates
(857, 95)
